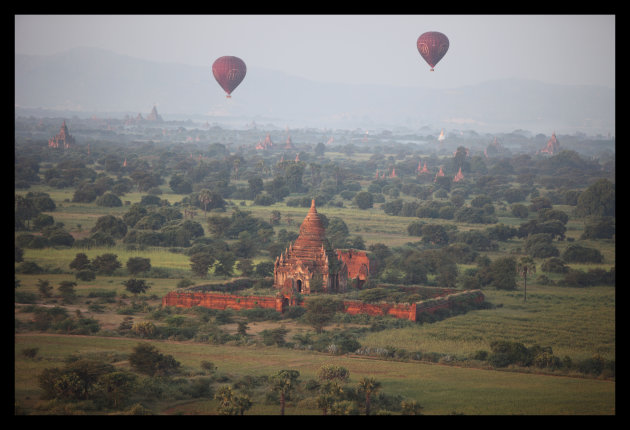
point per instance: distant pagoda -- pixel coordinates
(439, 174)
(62, 139)
(459, 176)
(552, 147)
(154, 116)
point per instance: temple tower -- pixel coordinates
(309, 261)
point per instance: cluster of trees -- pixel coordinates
(414, 264)
(96, 384)
(87, 383)
(206, 182)
(505, 353)
(105, 170)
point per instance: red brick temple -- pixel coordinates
(309, 258)
(63, 138)
(552, 147)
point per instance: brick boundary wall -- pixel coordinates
(407, 311)
(220, 301)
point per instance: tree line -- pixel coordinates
(95, 384)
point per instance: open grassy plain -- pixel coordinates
(440, 389)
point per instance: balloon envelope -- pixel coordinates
(229, 72)
(432, 45)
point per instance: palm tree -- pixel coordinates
(526, 266)
(325, 402)
(44, 287)
(283, 382)
(330, 391)
(411, 408)
(205, 197)
(236, 164)
(242, 403)
(228, 402)
(369, 386)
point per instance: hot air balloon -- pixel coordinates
(229, 72)
(432, 45)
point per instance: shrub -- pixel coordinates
(30, 352)
(274, 336)
(554, 265)
(108, 200)
(261, 314)
(547, 360)
(578, 278)
(599, 228)
(148, 360)
(29, 268)
(60, 237)
(27, 240)
(582, 254)
(505, 353)
(540, 246)
(480, 355)
(25, 297)
(593, 365)
(415, 228)
(85, 275)
(136, 265)
(208, 366)
(106, 263)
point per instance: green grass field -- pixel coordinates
(441, 390)
(578, 323)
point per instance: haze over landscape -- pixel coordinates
(315, 215)
(540, 73)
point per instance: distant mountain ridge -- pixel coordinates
(96, 80)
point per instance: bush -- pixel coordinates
(27, 240)
(25, 297)
(578, 278)
(106, 263)
(29, 268)
(261, 314)
(540, 246)
(30, 352)
(582, 254)
(594, 365)
(109, 200)
(137, 265)
(546, 360)
(554, 265)
(415, 228)
(78, 380)
(208, 366)
(294, 312)
(84, 326)
(480, 355)
(264, 199)
(599, 228)
(274, 336)
(505, 353)
(148, 360)
(85, 275)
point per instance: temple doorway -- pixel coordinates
(299, 285)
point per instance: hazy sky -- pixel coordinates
(377, 49)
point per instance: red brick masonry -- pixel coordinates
(397, 310)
